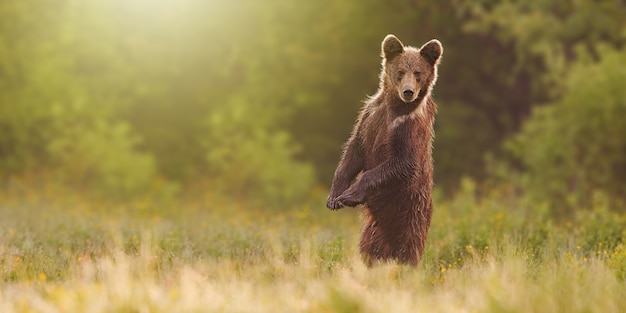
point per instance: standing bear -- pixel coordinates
(391, 148)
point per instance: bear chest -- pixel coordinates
(377, 139)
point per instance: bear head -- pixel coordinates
(407, 71)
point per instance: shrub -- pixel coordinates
(575, 146)
(102, 157)
(247, 158)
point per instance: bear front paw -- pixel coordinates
(333, 204)
(352, 198)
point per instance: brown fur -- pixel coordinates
(391, 148)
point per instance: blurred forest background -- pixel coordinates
(251, 99)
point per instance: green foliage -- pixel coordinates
(576, 146)
(101, 156)
(23, 134)
(549, 29)
(571, 149)
(256, 97)
(63, 90)
(246, 159)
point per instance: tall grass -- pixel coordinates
(495, 253)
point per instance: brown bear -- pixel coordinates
(391, 148)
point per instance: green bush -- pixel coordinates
(102, 157)
(575, 146)
(249, 159)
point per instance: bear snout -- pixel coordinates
(407, 94)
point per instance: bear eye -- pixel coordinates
(400, 75)
(417, 76)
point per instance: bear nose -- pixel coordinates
(408, 93)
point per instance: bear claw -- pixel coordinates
(333, 204)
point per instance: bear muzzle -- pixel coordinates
(408, 94)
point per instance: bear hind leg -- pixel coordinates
(373, 247)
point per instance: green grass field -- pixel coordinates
(493, 254)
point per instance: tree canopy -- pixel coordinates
(256, 97)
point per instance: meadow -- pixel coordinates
(493, 253)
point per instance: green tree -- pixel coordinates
(572, 145)
(576, 145)
(252, 160)
(550, 29)
(61, 90)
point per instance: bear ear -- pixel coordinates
(432, 51)
(392, 47)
